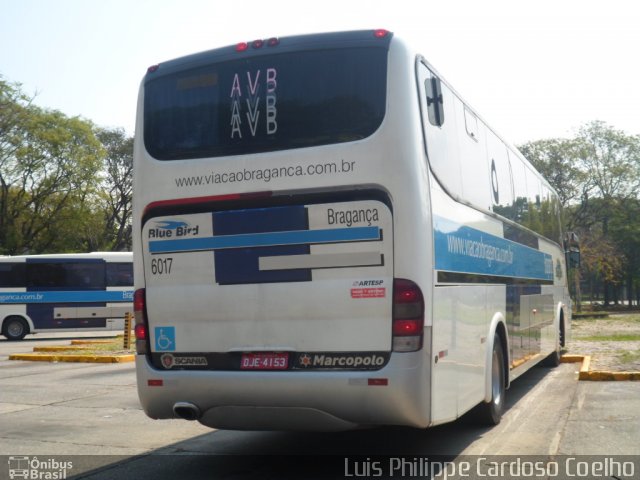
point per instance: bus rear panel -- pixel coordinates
(289, 265)
(269, 263)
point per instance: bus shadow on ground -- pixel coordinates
(260, 455)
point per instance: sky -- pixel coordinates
(532, 69)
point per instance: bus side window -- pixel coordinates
(12, 275)
(471, 123)
(119, 274)
(435, 108)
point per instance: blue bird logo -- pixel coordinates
(171, 225)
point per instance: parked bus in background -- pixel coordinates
(326, 236)
(66, 292)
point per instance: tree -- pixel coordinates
(611, 160)
(555, 160)
(597, 176)
(118, 168)
(48, 173)
(12, 116)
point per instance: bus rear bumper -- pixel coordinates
(398, 394)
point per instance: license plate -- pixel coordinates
(264, 361)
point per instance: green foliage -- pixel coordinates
(55, 180)
(555, 159)
(118, 188)
(597, 176)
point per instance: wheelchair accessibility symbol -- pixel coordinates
(165, 339)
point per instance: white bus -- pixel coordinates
(327, 237)
(65, 292)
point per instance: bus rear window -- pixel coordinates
(266, 103)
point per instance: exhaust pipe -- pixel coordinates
(186, 411)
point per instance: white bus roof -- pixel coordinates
(108, 256)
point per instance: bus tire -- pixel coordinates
(15, 328)
(553, 360)
(490, 413)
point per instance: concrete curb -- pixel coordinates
(61, 348)
(597, 375)
(90, 342)
(76, 345)
(34, 357)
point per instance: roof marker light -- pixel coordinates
(257, 43)
(273, 41)
(380, 33)
(242, 47)
(153, 68)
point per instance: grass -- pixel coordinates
(115, 346)
(623, 337)
(624, 317)
(629, 357)
(112, 346)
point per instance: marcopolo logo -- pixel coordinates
(173, 229)
(353, 361)
(38, 469)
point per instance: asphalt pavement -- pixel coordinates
(91, 413)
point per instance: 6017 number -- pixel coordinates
(161, 266)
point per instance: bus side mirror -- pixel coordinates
(572, 250)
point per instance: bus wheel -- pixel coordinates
(15, 328)
(490, 413)
(553, 360)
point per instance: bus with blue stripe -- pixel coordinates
(326, 237)
(66, 292)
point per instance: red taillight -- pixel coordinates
(242, 47)
(408, 316)
(140, 331)
(139, 300)
(380, 33)
(403, 328)
(406, 292)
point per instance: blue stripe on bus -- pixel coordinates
(462, 249)
(85, 296)
(235, 266)
(332, 235)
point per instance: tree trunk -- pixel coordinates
(578, 299)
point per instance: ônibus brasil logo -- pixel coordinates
(38, 468)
